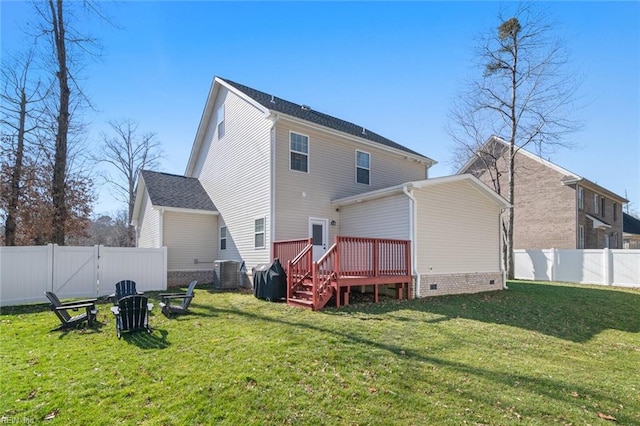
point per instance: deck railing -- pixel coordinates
(373, 257)
(348, 258)
(288, 249)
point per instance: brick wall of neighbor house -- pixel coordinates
(595, 238)
(459, 283)
(544, 208)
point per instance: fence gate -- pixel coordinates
(73, 269)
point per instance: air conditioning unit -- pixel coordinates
(225, 275)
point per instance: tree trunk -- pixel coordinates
(60, 158)
(16, 176)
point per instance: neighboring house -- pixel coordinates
(631, 232)
(553, 208)
(276, 171)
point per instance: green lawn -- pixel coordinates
(537, 353)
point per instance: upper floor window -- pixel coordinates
(220, 121)
(580, 198)
(259, 233)
(596, 203)
(615, 211)
(223, 238)
(580, 237)
(602, 199)
(363, 169)
(299, 152)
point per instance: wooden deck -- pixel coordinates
(350, 262)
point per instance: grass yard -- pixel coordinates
(535, 354)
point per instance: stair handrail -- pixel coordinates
(321, 282)
(291, 281)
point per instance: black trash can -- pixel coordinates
(270, 282)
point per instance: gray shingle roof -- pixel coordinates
(630, 224)
(305, 113)
(167, 190)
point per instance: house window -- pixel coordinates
(615, 211)
(580, 198)
(220, 121)
(581, 237)
(596, 203)
(259, 233)
(223, 238)
(363, 161)
(299, 152)
(602, 199)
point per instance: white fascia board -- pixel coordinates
(183, 210)
(140, 192)
(586, 183)
(597, 223)
(421, 159)
(206, 115)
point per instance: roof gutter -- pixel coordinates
(408, 191)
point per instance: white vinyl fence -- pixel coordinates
(27, 272)
(603, 267)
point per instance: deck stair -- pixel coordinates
(350, 261)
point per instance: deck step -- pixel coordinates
(303, 294)
(301, 303)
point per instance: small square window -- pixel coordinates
(259, 233)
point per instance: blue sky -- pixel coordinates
(393, 68)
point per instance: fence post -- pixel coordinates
(554, 263)
(606, 266)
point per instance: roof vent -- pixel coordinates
(364, 131)
(273, 100)
(306, 107)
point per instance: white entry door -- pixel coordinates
(318, 231)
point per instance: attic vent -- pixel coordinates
(306, 107)
(273, 100)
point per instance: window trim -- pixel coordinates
(580, 236)
(368, 169)
(580, 198)
(291, 132)
(263, 232)
(221, 238)
(596, 204)
(220, 119)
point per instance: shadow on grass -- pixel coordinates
(574, 313)
(157, 339)
(83, 328)
(560, 389)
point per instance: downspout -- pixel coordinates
(413, 233)
(161, 227)
(272, 197)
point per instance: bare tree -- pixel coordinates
(525, 95)
(19, 115)
(68, 49)
(128, 153)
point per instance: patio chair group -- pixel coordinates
(131, 307)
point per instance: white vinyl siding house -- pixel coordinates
(191, 240)
(235, 171)
(454, 227)
(300, 196)
(387, 217)
(460, 228)
(149, 231)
